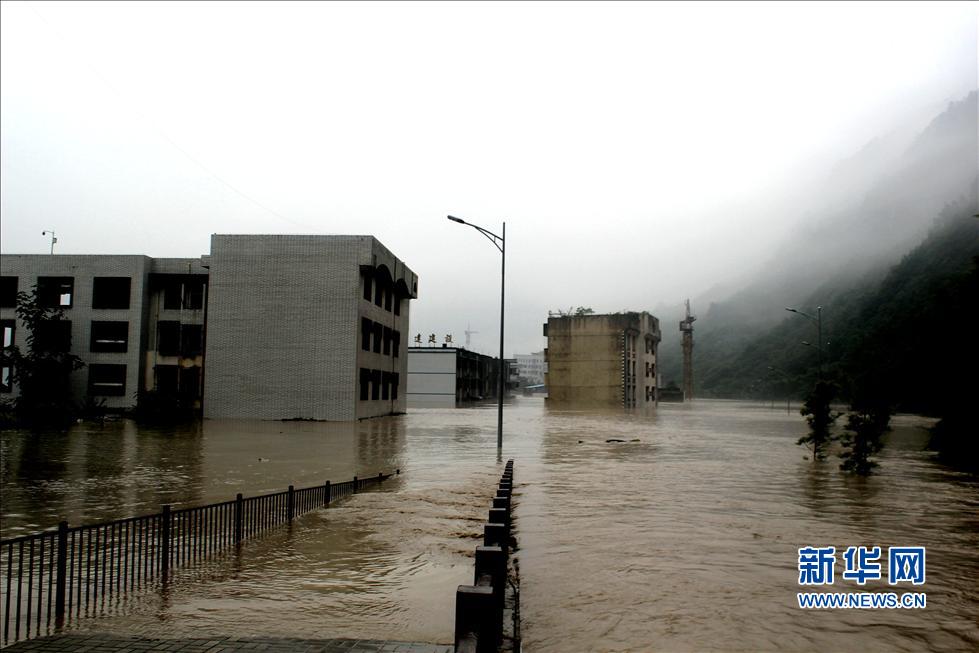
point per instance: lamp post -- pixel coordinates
(500, 243)
(818, 319)
(788, 399)
(53, 239)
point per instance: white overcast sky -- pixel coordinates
(635, 150)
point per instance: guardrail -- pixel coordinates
(479, 607)
(48, 578)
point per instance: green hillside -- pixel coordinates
(909, 333)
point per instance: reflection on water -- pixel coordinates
(682, 537)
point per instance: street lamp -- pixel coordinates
(500, 243)
(818, 319)
(785, 375)
(53, 239)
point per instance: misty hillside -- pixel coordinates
(907, 333)
(913, 180)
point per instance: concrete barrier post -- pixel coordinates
(474, 612)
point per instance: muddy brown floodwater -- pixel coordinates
(684, 537)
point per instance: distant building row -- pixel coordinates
(265, 327)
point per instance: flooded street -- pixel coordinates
(684, 536)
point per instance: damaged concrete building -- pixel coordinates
(602, 360)
(265, 327)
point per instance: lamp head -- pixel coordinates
(455, 219)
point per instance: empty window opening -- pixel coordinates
(166, 379)
(394, 385)
(396, 344)
(365, 384)
(55, 292)
(375, 384)
(190, 382)
(194, 294)
(378, 337)
(168, 338)
(368, 288)
(397, 306)
(388, 335)
(191, 340)
(366, 327)
(53, 336)
(388, 298)
(8, 292)
(111, 292)
(109, 336)
(385, 385)
(184, 292)
(107, 380)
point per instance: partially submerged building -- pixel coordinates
(265, 327)
(447, 376)
(531, 368)
(137, 322)
(602, 360)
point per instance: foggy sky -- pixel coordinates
(639, 153)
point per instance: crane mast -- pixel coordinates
(686, 329)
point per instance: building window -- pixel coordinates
(8, 326)
(190, 382)
(53, 336)
(375, 385)
(378, 293)
(191, 340)
(194, 294)
(366, 327)
(111, 292)
(388, 334)
(107, 380)
(109, 336)
(172, 295)
(388, 297)
(365, 384)
(397, 306)
(184, 292)
(8, 292)
(378, 337)
(385, 385)
(396, 344)
(394, 385)
(6, 378)
(166, 379)
(55, 292)
(368, 288)
(168, 338)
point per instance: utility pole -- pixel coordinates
(686, 328)
(53, 239)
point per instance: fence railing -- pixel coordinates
(479, 607)
(49, 578)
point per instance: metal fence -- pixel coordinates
(49, 578)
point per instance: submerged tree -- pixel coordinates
(43, 373)
(864, 427)
(820, 417)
